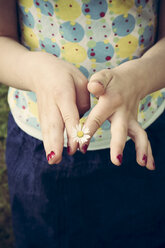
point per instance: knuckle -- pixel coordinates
(45, 132)
(140, 131)
(124, 128)
(68, 118)
(144, 134)
(117, 97)
(97, 120)
(104, 76)
(121, 127)
(135, 130)
(106, 73)
(58, 93)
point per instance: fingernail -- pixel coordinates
(84, 148)
(100, 83)
(120, 158)
(144, 159)
(68, 149)
(50, 155)
(154, 165)
(96, 82)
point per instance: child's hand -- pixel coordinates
(62, 95)
(119, 91)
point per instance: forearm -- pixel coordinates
(151, 67)
(14, 66)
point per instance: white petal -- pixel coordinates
(87, 136)
(76, 139)
(85, 129)
(83, 140)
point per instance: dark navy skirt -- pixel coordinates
(86, 201)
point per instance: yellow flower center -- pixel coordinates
(80, 134)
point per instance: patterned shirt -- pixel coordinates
(92, 35)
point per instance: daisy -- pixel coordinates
(80, 134)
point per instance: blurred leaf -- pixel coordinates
(4, 110)
(6, 232)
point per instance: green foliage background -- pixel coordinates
(6, 233)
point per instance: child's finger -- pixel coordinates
(118, 136)
(140, 138)
(99, 81)
(101, 112)
(150, 161)
(70, 115)
(52, 127)
(94, 120)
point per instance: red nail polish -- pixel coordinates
(50, 155)
(144, 159)
(84, 148)
(120, 158)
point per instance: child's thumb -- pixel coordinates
(99, 81)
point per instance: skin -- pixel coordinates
(47, 76)
(119, 91)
